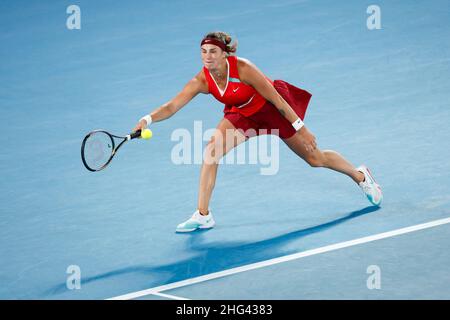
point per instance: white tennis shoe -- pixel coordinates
(370, 187)
(197, 221)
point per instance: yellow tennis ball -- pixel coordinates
(146, 134)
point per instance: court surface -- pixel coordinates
(380, 97)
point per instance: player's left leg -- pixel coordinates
(332, 160)
(323, 158)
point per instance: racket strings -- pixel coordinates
(98, 150)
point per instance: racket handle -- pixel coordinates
(134, 135)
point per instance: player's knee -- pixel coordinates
(315, 162)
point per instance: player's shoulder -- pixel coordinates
(245, 67)
(244, 64)
(200, 76)
(200, 81)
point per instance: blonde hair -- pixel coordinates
(225, 38)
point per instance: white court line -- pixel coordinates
(299, 255)
(169, 296)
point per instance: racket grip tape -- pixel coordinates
(134, 135)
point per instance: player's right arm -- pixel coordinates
(195, 86)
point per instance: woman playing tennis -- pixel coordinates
(254, 104)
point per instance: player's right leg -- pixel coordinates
(225, 138)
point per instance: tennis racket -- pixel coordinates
(99, 148)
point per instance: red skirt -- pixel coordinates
(268, 120)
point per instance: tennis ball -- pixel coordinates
(146, 134)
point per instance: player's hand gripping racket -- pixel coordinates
(99, 147)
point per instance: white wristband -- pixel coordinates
(147, 118)
(298, 124)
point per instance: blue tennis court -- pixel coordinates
(380, 98)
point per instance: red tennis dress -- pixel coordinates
(250, 112)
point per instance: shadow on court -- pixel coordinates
(214, 257)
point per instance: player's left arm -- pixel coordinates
(251, 75)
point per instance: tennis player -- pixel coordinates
(254, 104)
